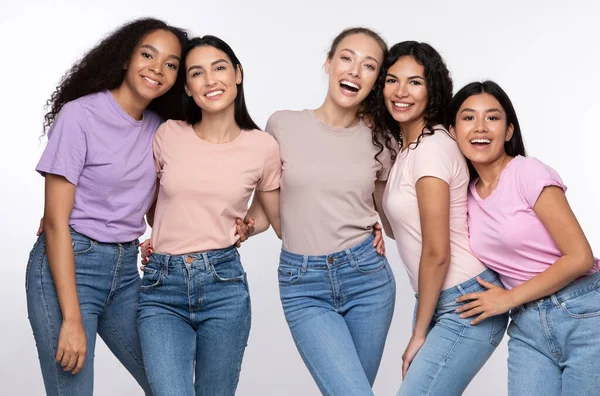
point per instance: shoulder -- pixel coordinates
(440, 142)
(152, 119)
(532, 165)
(170, 127)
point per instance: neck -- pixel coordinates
(489, 173)
(218, 127)
(336, 116)
(410, 131)
(130, 102)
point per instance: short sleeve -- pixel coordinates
(272, 127)
(67, 145)
(385, 158)
(434, 157)
(272, 167)
(533, 176)
(157, 143)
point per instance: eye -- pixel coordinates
(493, 118)
(219, 68)
(370, 67)
(390, 81)
(344, 57)
(146, 55)
(196, 73)
(172, 66)
(468, 118)
(415, 82)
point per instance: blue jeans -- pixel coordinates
(108, 287)
(454, 350)
(339, 308)
(194, 321)
(554, 344)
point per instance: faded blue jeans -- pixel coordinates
(454, 350)
(108, 286)
(194, 322)
(339, 309)
(554, 344)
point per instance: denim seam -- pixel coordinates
(549, 335)
(119, 339)
(114, 285)
(462, 330)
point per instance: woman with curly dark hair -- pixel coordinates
(82, 277)
(425, 201)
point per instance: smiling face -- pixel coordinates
(353, 69)
(481, 129)
(405, 90)
(152, 69)
(211, 78)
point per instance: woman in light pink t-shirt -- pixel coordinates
(521, 226)
(425, 202)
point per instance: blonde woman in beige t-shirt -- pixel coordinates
(336, 286)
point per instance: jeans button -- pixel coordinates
(330, 260)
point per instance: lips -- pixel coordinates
(214, 94)
(349, 86)
(402, 106)
(151, 81)
(478, 142)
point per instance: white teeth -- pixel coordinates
(213, 93)
(398, 104)
(151, 81)
(482, 141)
(350, 84)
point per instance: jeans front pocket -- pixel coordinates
(288, 274)
(230, 270)
(370, 262)
(151, 278)
(81, 243)
(583, 306)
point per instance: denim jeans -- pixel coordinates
(108, 287)
(554, 344)
(339, 308)
(454, 350)
(194, 322)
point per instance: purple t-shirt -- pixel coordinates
(107, 154)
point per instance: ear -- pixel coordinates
(238, 74)
(187, 90)
(509, 132)
(452, 132)
(327, 65)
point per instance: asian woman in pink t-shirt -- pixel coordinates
(522, 226)
(425, 201)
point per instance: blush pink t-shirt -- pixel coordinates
(506, 234)
(204, 187)
(437, 156)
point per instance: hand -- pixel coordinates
(244, 228)
(146, 250)
(367, 119)
(494, 301)
(414, 345)
(41, 227)
(71, 346)
(378, 243)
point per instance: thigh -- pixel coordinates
(328, 350)
(118, 323)
(531, 369)
(453, 353)
(169, 349)
(368, 319)
(45, 317)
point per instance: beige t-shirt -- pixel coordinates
(436, 155)
(327, 182)
(204, 187)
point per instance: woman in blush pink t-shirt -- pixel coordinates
(425, 202)
(194, 308)
(522, 227)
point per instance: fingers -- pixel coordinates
(405, 364)
(71, 363)
(80, 362)
(485, 283)
(377, 226)
(466, 307)
(480, 318)
(467, 297)
(380, 248)
(472, 312)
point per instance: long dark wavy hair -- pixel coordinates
(376, 135)
(515, 146)
(191, 111)
(437, 81)
(101, 68)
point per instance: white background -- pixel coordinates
(544, 53)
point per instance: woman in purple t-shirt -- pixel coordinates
(81, 277)
(522, 227)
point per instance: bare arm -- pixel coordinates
(59, 199)
(377, 199)
(150, 214)
(270, 203)
(257, 212)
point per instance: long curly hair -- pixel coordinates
(377, 136)
(101, 68)
(437, 81)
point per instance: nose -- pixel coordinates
(480, 124)
(156, 67)
(209, 79)
(354, 70)
(402, 90)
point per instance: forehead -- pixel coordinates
(205, 54)
(407, 65)
(162, 40)
(362, 45)
(482, 101)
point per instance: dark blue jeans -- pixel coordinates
(108, 286)
(194, 322)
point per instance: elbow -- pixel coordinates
(585, 261)
(436, 258)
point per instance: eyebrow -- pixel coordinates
(494, 109)
(410, 78)
(151, 48)
(212, 64)
(354, 53)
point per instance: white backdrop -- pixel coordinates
(544, 53)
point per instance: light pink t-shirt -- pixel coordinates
(204, 187)
(327, 182)
(506, 233)
(438, 156)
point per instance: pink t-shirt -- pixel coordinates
(204, 187)
(506, 234)
(438, 156)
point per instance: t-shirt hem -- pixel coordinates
(44, 170)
